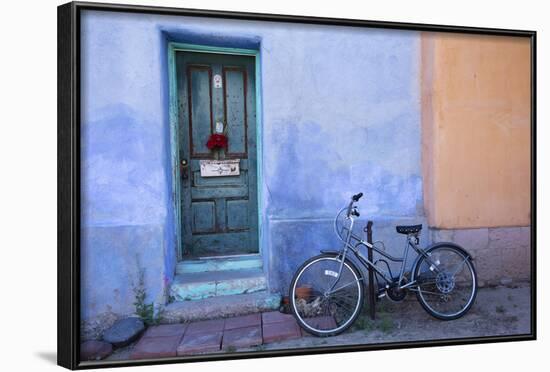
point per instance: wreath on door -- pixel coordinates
(217, 141)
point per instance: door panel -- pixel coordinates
(200, 101)
(235, 112)
(219, 214)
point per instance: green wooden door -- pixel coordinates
(219, 214)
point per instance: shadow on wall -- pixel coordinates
(310, 179)
(184, 36)
(124, 213)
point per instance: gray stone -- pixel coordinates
(95, 350)
(93, 328)
(124, 331)
(508, 237)
(506, 281)
(473, 240)
(442, 235)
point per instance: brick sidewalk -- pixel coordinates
(208, 336)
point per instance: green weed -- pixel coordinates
(146, 311)
(231, 349)
(386, 323)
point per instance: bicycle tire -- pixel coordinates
(420, 293)
(356, 310)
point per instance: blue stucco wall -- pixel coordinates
(340, 114)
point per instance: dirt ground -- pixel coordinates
(496, 311)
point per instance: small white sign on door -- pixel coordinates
(217, 81)
(220, 168)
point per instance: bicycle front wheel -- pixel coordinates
(324, 302)
(447, 283)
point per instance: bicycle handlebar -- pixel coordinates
(355, 198)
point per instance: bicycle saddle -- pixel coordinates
(408, 229)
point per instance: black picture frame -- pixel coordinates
(69, 181)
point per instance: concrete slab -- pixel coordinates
(242, 337)
(223, 306)
(156, 347)
(219, 264)
(205, 326)
(198, 343)
(200, 285)
(243, 321)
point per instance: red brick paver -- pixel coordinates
(278, 326)
(242, 337)
(275, 317)
(206, 336)
(166, 330)
(159, 341)
(156, 347)
(206, 326)
(198, 343)
(243, 321)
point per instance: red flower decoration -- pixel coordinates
(217, 141)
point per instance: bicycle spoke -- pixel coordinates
(449, 292)
(341, 303)
(326, 314)
(342, 287)
(460, 265)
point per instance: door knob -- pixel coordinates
(183, 169)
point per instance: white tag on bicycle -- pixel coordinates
(331, 273)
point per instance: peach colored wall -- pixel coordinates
(476, 130)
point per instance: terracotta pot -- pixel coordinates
(303, 292)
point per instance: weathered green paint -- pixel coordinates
(174, 145)
(213, 49)
(220, 264)
(202, 285)
(174, 47)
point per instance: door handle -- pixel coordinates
(184, 169)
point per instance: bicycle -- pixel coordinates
(327, 291)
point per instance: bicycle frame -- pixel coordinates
(411, 243)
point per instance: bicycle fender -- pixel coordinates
(439, 244)
(329, 251)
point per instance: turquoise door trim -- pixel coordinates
(174, 47)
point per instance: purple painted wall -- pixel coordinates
(340, 114)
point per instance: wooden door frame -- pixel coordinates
(174, 47)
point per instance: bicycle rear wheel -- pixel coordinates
(323, 302)
(447, 287)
